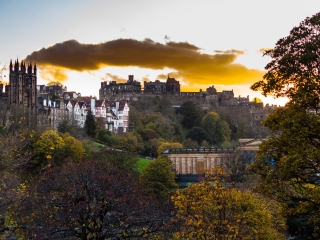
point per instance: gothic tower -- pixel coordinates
(23, 84)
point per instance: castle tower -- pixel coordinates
(22, 84)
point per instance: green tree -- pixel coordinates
(217, 129)
(130, 142)
(158, 177)
(289, 161)
(107, 137)
(199, 135)
(191, 114)
(90, 124)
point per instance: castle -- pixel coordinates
(240, 109)
(52, 101)
(132, 90)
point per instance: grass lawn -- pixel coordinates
(142, 163)
(98, 144)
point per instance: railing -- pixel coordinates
(201, 150)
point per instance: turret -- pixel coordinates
(23, 67)
(16, 66)
(35, 69)
(29, 68)
(10, 66)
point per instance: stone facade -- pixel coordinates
(197, 161)
(115, 115)
(240, 109)
(200, 160)
(22, 87)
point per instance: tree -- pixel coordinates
(294, 69)
(217, 129)
(90, 124)
(167, 146)
(90, 200)
(189, 143)
(191, 114)
(107, 137)
(199, 135)
(216, 211)
(16, 154)
(158, 177)
(257, 102)
(289, 161)
(235, 165)
(48, 144)
(130, 142)
(73, 148)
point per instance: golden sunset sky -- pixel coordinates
(200, 43)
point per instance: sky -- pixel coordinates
(200, 43)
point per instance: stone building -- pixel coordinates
(240, 110)
(199, 160)
(114, 91)
(22, 87)
(54, 90)
(114, 115)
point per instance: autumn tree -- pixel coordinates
(48, 144)
(16, 154)
(155, 125)
(168, 145)
(73, 148)
(216, 211)
(130, 142)
(158, 177)
(90, 200)
(257, 102)
(289, 161)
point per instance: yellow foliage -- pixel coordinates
(48, 143)
(168, 145)
(215, 211)
(73, 147)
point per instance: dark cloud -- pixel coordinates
(186, 59)
(262, 50)
(111, 77)
(184, 45)
(232, 51)
(170, 74)
(162, 77)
